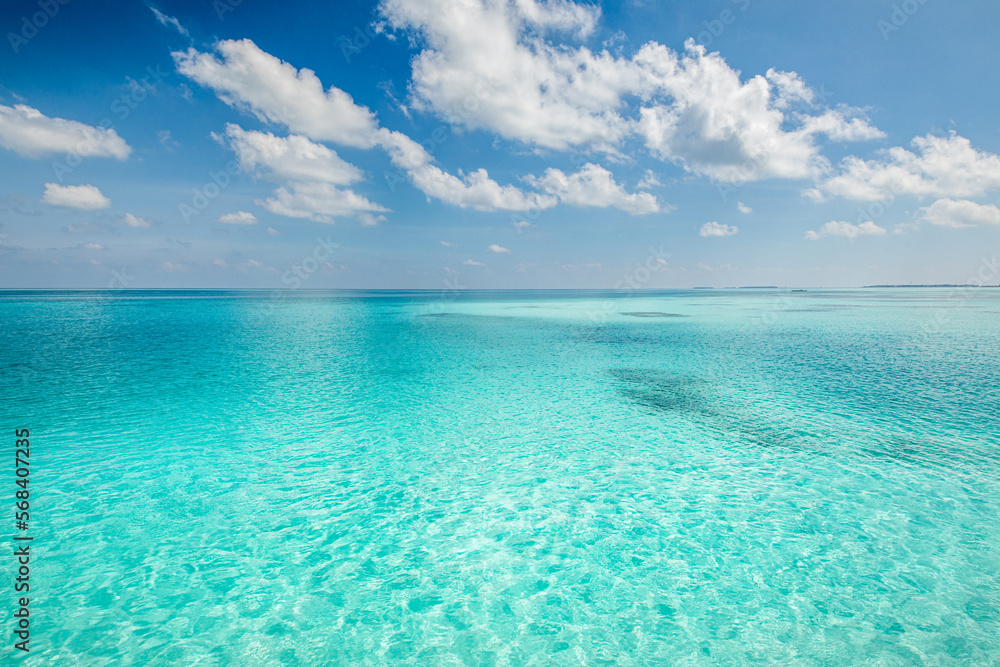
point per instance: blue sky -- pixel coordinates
(441, 144)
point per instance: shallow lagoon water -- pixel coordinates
(510, 478)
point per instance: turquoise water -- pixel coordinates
(675, 478)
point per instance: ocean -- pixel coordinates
(712, 477)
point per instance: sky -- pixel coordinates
(452, 144)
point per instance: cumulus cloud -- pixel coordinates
(846, 229)
(83, 197)
(486, 66)
(716, 125)
(594, 185)
(291, 158)
(446, 244)
(317, 201)
(474, 190)
(939, 167)
(246, 77)
(135, 221)
(961, 213)
(490, 66)
(30, 133)
(493, 247)
(250, 79)
(710, 229)
(743, 208)
(238, 218)
(472, 262)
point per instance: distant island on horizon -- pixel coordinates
(940, 285)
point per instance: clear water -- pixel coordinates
(680, 478)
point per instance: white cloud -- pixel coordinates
(594, 185)
(167, 140)
(238, 218)
(493, 247)
(370, 220)
(317, 201)
(790, 89)
(844, 124)
(486, 66)
(250, 79)
(292, 158)
(472, 262)
(88, 228)
(93, 246)
(940, 167)
(135, 221)
(961, 213)
(446, 244)
(28, 132)
(649, 180)
(83, 197)
(743, 208)
(716, 125)
(404, 152)
(170, 21)
(475, 190)
(717, 229)
(846, 229)
(489, 65)
(271, 231)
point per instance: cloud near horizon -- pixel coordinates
(846, 229)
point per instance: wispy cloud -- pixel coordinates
(846, 229)
(170, 22)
